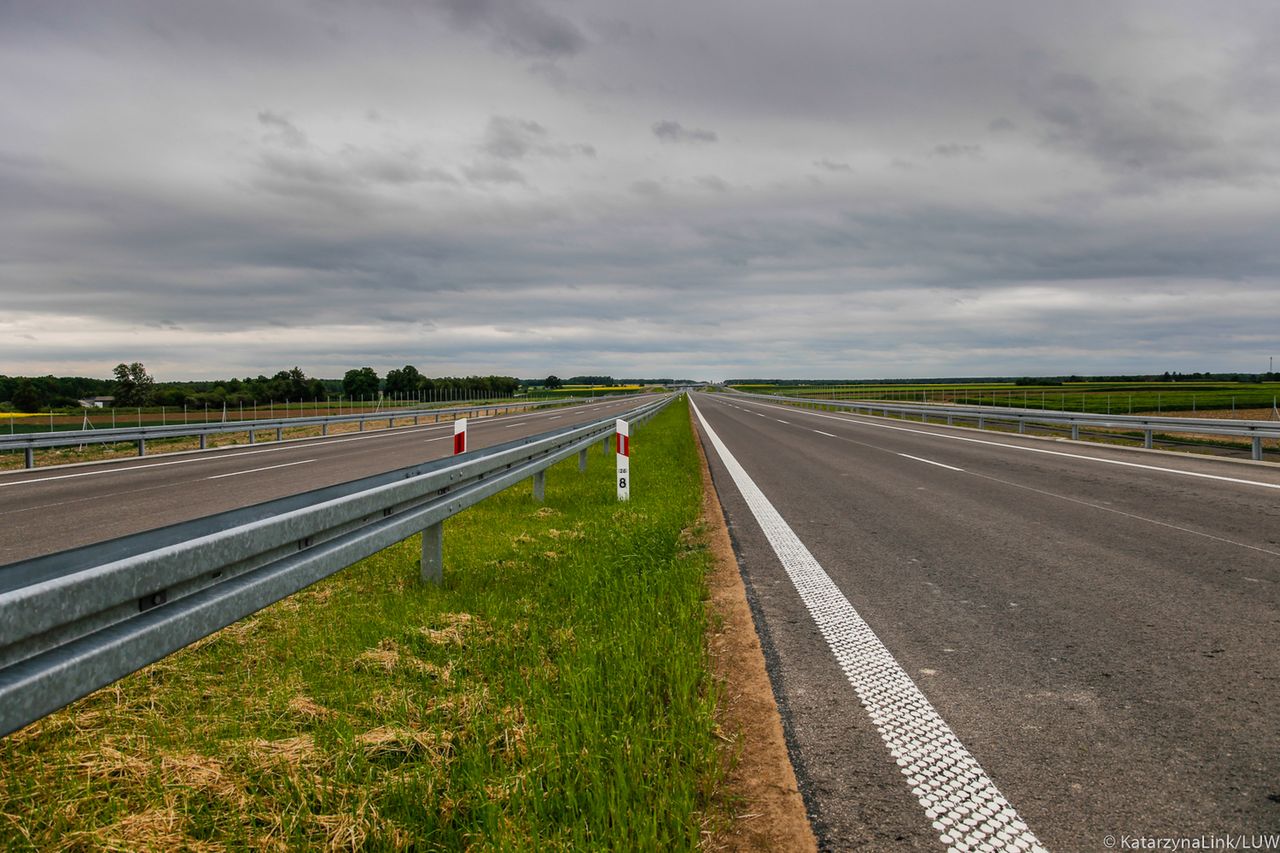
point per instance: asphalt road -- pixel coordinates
(54, 509)
(1098, 626)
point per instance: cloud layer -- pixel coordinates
(727, 189)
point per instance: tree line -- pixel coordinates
(133, 385)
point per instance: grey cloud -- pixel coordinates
(508, 138)
(519, 25)
(277, 224)
(284, 131)
(673, 131)
(647, 189)
(512, 138)
(1131, 130)
(344, 178)
(493, 173)
(956, 149)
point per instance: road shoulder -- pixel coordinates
(768, 812)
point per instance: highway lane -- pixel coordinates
(53, 509)
(1098, 626)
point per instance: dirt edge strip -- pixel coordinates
(768, 810)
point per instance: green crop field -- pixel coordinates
(1245, 399)
(584, 391)
(554, 694)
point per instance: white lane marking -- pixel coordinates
(555, 418)
(1080, 502)
(851, 420)
(827, 434)
(438, 438)
(256, 470)
(930, 462)
(967, 810)
(781, 421)
(219, 453)
(522, 423)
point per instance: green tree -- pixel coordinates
(361, 382)
(134, 386)
(25, 396)
(403, 382)
(552, 382)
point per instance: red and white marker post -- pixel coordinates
(459, 436)
(624, 460)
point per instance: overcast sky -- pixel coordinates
(723, 188)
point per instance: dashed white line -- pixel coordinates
(967, 810)
(1198, 474)
(233, 451)
(827, 434)
(257, 470)
(781, 421)
(930, 462)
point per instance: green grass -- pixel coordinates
(1094, 397)
(553, 694)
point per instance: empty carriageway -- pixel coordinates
(57, 508)
(1005, 642)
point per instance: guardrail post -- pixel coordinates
(279, 433)
(433, 553)
(142, 447)
(30, 458)
(540, 485)
(582, 460)
(253, 439)
(362, 425)
(951, 419)
(1257, 448)
(1146, 439)
(982, 422)
(1022, 425)
(204, 441)
(324, 428)
(1075, 432)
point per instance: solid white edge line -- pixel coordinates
(930, 462)
(256, 470)
(851, 420)
(966, 808)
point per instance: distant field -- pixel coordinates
(1096, 397)
(584, 391)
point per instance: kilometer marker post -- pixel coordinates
(459, 436)
(623, 430)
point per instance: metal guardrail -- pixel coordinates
(140, 435)
(78, 620)
(1147, 425)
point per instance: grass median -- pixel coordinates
(554, 693)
